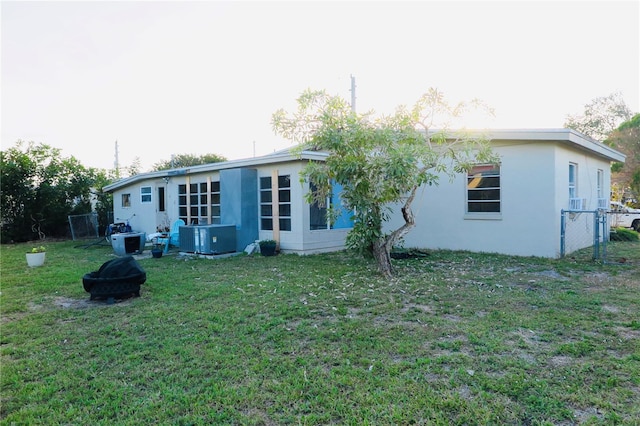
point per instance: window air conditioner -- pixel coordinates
(577, 203)
(603, 203)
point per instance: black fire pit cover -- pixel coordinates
(119, 277)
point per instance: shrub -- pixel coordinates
(623, 234)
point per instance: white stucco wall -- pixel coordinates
(534, 189)
(301, 239)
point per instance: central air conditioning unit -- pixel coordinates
(208, 239)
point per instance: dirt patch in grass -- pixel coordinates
(69, 303)
(561, 361)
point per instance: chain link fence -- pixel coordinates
(83, 226)
(581, 229)
(586, 234)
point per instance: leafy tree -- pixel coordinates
(601, 116)
(626, 176)
(39, 189)
(104, 201)
(379, 162)
(185, 160)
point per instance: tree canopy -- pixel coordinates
(40, 188)
(185, 160)
(626, 176)
(380, 162)
(601, 116)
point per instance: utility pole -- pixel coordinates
(353, 93)
(116, 163)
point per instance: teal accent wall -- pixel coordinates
(343, 221)
(239, 204)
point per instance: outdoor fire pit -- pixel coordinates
(117, 278)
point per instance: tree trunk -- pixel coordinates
(382, 254)
(382, 247)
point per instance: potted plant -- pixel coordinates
(36, 256)
(157, 249)
(267, 247)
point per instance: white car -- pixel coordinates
(621, 216)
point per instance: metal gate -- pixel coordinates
(580, 229)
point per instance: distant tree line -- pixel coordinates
(39, 189)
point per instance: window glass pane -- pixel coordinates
(194, 210)
(489, 194)
(193, 199)
(317, 217)
(216, 221)
(284, 181)
(126, 200)
(182, 211)
(265, 210)
(265, 196)
(265, 183)
(215, 198)
(215, 210)
(182, 200)
(285, 224)
(182, 189)
(266, 224)
(484, 182)
(193, 188)
(203, 199)
(284, 195)
(215, 186)
(488, 207)
(203, 211)
(284, 210)
(203, 187)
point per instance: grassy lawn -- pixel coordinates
(456, 338)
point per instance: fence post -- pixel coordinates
(562, 230)
(596, 235)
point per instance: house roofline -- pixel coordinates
(275, 158)
(565, 136)
(561, 135)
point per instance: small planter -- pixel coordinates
(268, 247)
(35, 259)
(156, 252)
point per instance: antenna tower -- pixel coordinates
(116, 163)
(353, 93)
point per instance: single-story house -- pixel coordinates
(513, 207)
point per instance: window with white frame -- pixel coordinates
(284, 203)
(603, 200)
(573, 180)
(194, 206)
(215, 202)
(318, 217)
(483, 189)
(145, 194)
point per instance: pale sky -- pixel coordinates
(205, 77)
